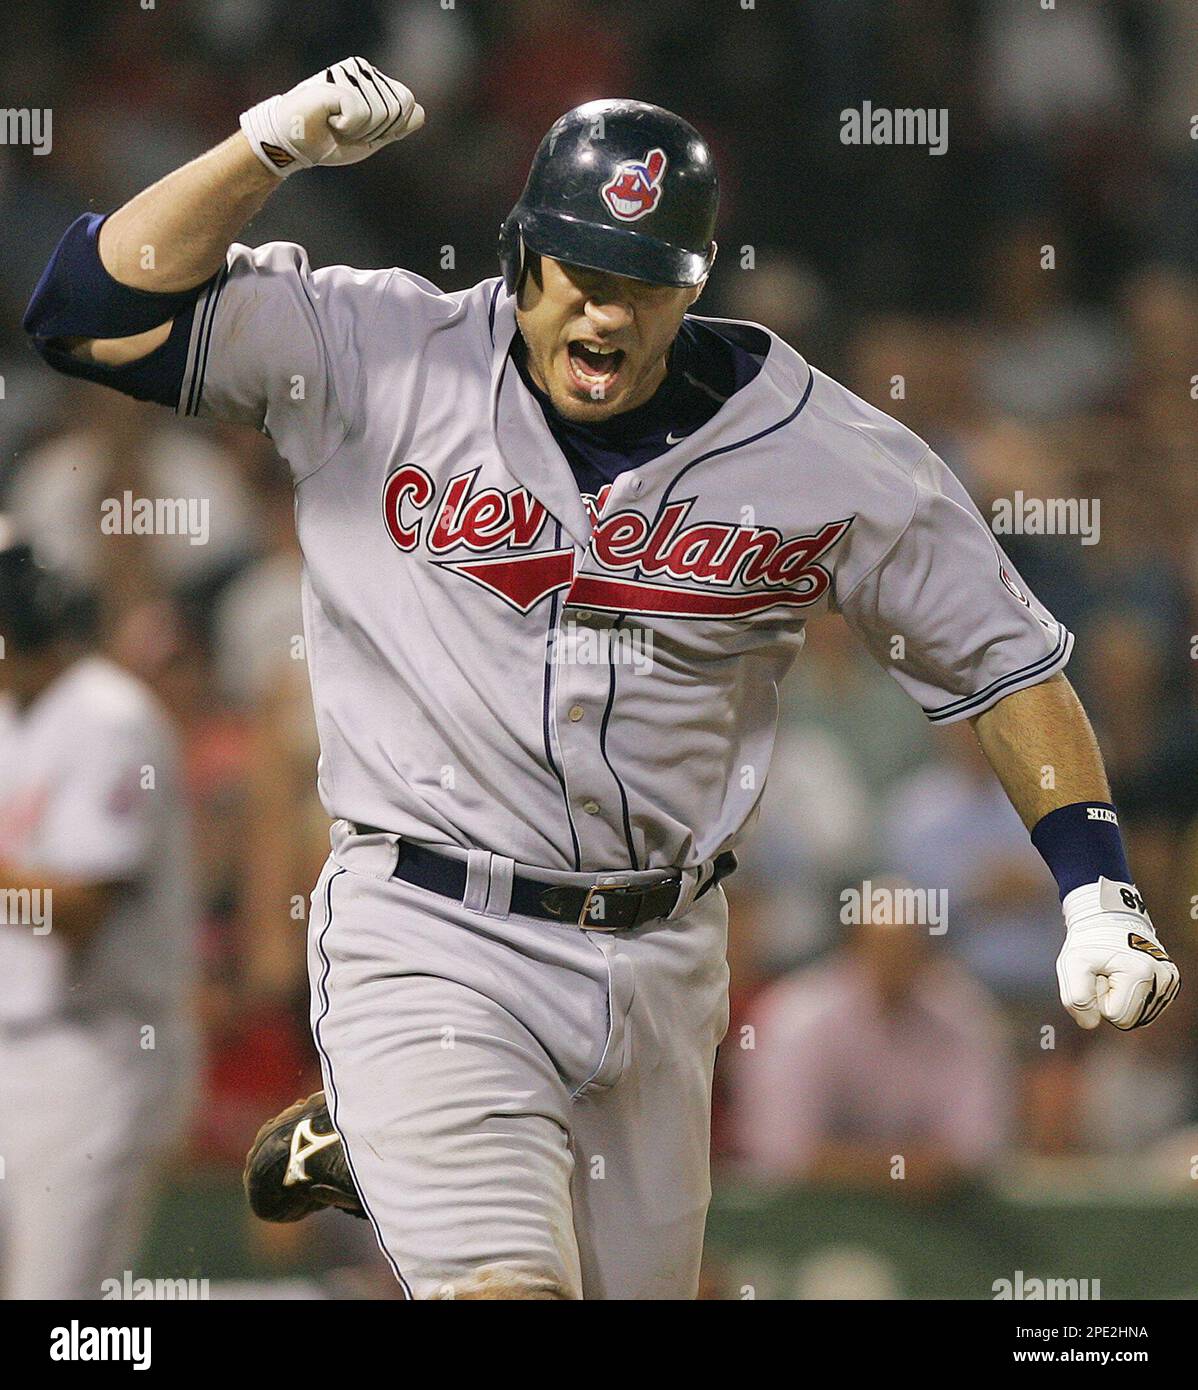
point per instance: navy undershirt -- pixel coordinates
(706, 366)
(76, 297)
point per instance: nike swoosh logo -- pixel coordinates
(673, 438)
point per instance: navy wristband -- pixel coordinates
(1081, 843)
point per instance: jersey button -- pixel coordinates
(583, 615)
(576, 713)
(592, 808)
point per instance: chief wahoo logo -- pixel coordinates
(635, 188)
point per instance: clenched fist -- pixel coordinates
(340, 116)
(1112, 966)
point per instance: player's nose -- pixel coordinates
(609, 311)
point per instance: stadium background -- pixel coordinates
(915, 278)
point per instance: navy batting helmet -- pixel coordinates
(35, 606)
(620, 186)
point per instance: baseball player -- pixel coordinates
(561, 537)
(96, 935)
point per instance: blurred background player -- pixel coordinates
(95, 945)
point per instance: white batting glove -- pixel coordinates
(1112, 966)
(340, 116)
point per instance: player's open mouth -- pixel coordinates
(593, 367)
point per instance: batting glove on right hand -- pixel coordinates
(1112, 966)
(340, 116)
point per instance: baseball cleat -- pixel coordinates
(297, 1165)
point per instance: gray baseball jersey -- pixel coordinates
(96, 1047)
(529, 678)
(90, 790)
(467, 611)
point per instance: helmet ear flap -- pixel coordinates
(511, 253)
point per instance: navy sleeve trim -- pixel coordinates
(77, 298)
(198, 357)
(989, 695)
(157, 377)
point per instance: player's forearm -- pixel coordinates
(1042, 749)
(117, 287)
(174, 235)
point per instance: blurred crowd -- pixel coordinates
(1027, 302)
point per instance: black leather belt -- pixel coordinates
(601, 907)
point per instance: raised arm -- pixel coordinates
(172, 238)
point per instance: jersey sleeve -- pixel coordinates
(945, 611)
(279, 346)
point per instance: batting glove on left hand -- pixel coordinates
(1112, 966)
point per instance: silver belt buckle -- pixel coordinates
(584, 912)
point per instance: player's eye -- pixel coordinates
(584, 278)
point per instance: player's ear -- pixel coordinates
(532, 271)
